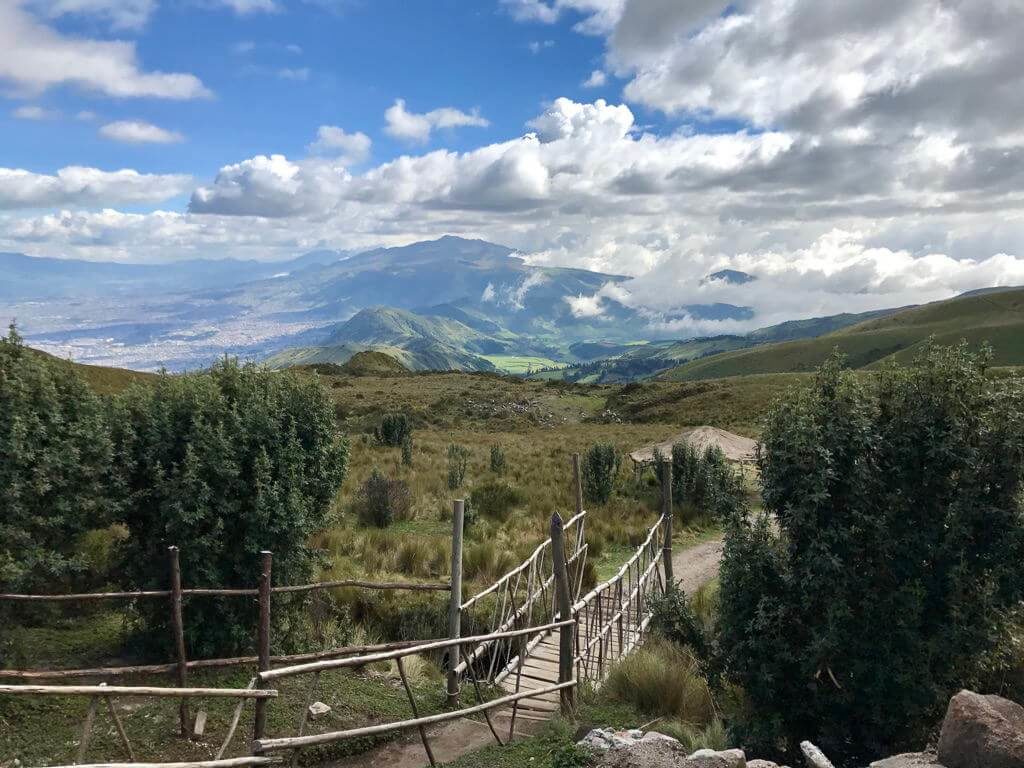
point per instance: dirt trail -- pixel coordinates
(691, 567)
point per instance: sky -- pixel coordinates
(852, 154)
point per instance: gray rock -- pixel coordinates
(709, 758)
(318, 709)
(666, 752)
(982, 732)
(909, 760)
(815, 757)
(764, 764)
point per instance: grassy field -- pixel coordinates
(520, 363)
(997, 318)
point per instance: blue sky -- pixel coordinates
(852, 154)
(276, 77)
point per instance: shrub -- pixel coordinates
(381, 500)
(486, 561)
(705, 483)
(572, 755)
(58, 474)
(225, 463)
(898, 501)
(497, 460)
(496, 499)
(393, 429)
(661, 679)
(600, 466)
(407, 451)
(690, 624)
(458, 456)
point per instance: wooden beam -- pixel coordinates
(137, 690)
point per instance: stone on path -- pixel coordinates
(982, 732)
(909, 760)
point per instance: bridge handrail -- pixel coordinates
(587, 598)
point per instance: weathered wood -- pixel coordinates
(564, 603)
(397, 585)
(90, 716)
(421, 647)
(112, 710)
(178, 630)
(234, 723)
(455, 603)
(235, 762)
(137, 690)
(275, 745)
(577, 483)
(666, 516)
(480, 700)
(263, 639)
(81, 597)
(415, 711)
(199, 726)
(59, 674)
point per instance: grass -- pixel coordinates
(521, 363)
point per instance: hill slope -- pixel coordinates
(996, 317)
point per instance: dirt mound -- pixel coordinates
(735, 447)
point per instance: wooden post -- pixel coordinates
(455, 601)
(577, 482)
(178, 627)
(666, 513)
(563, 601)
(263, 639)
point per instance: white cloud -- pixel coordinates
(85, 115)
(536, 46)
(35, 58)
(35, 112)
(120, 14)
(300, 74)
(139, 132)
(244, 7)
(349, 148)
(597, 79)
(411, 126)
(78, 186)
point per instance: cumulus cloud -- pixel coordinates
(36, 58)
(119, 14)
(78, 186)
(348, 148)
(597, 79)
(412, 126)
(139, 132)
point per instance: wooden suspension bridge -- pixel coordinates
(540, 638)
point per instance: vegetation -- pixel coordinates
(458, 456)
(381, 500)
(496, 499)
(705, 483)
(497, 460)
(407, 451)
(901, 536)
(394, 429)
(996, 317)
(57, 478)
(231, 462)
(600, 466)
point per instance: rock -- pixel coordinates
(658, 753)
(982, 732)
(909, 760)
(764, 764)
(709, 758)
(318, 709)
(815, 757)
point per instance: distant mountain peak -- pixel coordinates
(731, 276)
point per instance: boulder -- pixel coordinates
(659, 751)
(909, 760)
(709, 758)
(982, 732)
(764, 764)
(815, 757)
(318, 709)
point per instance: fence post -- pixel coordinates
(178, 628)
(666, 513)
(455, 600)
(263, 639)
(566, 633)
(577, 482)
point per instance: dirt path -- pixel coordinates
(692, 567)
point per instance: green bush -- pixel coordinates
(496, 499)
(225, 464)
(393, 429)
(381, 500)
(58, 475)
(407, 451)
(600, 466)
(458, 457)
(897, 557)
(572, 756)
(703, 483)
(497, 460)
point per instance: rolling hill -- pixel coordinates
(996, 317)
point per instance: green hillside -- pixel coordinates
(994, 317)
